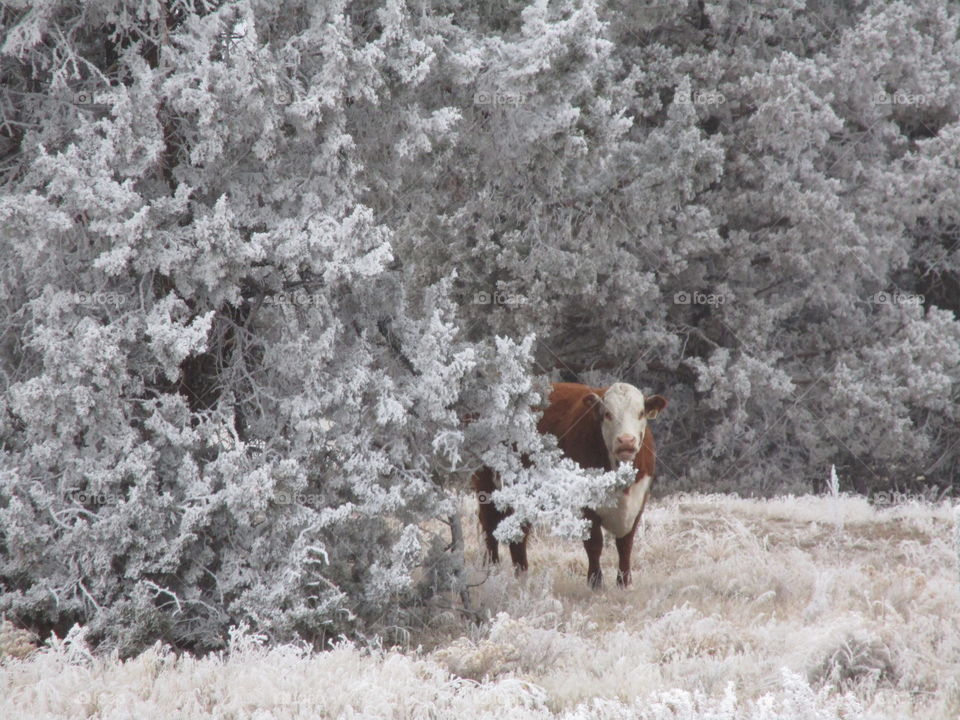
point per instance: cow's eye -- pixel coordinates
(608, 415)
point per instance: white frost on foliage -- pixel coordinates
(292, 266)
(171, 339)
(253, 680)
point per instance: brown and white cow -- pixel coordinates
(598, 428)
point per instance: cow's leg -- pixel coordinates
(490, 517)
(518, 551)
(594, 546)
(624, 548)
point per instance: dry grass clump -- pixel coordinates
(14, 642)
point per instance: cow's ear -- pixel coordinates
(654, 405)
(592, 401)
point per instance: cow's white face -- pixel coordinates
(624, 413)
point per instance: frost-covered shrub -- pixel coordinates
(229, 395)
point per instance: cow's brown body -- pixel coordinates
(578, 431)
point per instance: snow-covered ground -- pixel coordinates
(794, 608)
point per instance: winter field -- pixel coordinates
(795, 608)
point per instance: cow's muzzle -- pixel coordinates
(625, 453)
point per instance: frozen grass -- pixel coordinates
(781, 609)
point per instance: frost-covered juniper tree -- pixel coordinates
(225, 396)
(748, 205)
(271, 271)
